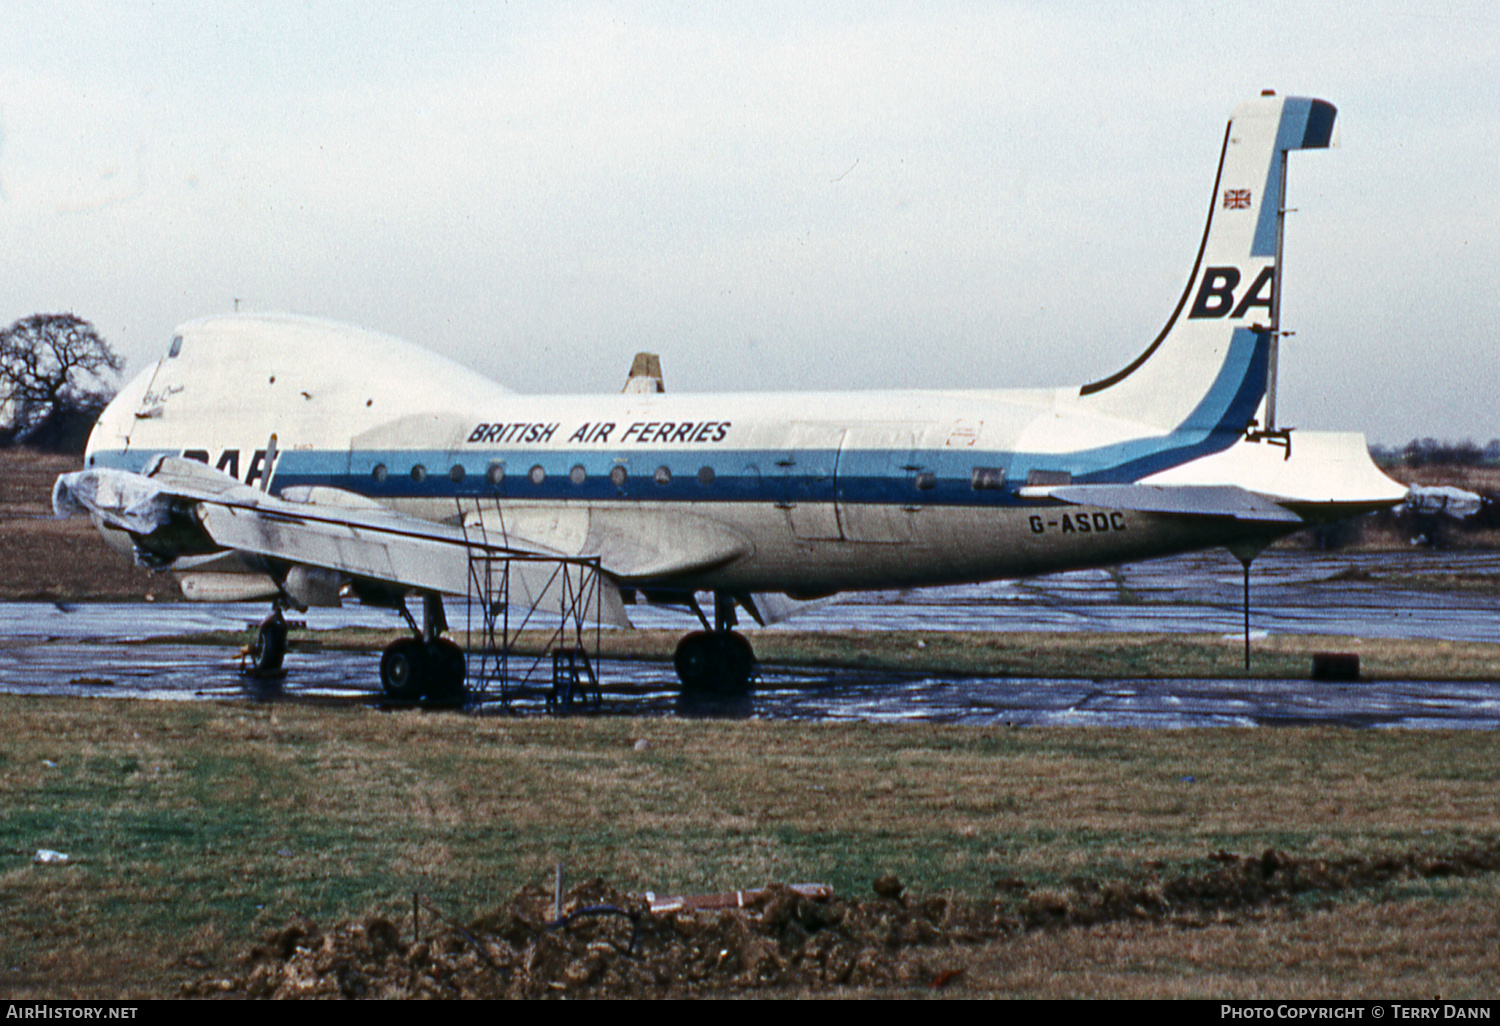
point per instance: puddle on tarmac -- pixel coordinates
(74, 649)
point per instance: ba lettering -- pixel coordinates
(229, 462)
(1216, 293)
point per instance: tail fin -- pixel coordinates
(1207, 369)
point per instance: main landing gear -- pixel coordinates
(426, 668)
(717, 660)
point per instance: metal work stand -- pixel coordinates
(557, 611)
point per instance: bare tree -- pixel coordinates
(54, 371)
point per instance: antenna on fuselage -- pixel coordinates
(270, 465)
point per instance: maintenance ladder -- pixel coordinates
(503, 663)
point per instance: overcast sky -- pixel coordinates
(877, 195)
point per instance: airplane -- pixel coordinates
(297, 460)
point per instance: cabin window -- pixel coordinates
(986, 479)
(578, 475)
(419, 473)
(617, 476)
(662, 476)
(456, 473)
(926, 481)
(705, 476)
(379, 473)
(176, 346)
(1036, 478)
(537, 474)
(496, 473)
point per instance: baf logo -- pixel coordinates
(1216, 293)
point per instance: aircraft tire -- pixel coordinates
(445, 674)
(269, 647)
(694, 660)
(404, 668)
(714, 661)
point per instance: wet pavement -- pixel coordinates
(1290, 593)
(48, 648)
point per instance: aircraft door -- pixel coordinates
(879, 499)
(803, 485)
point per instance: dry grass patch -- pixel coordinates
(1408, 947)
(195, 821)
(43, 558)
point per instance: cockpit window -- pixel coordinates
(176, 346)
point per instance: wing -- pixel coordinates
(182, 508)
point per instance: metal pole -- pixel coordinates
(1247, 616)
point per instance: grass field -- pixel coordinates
(195, 829)
(44, 558)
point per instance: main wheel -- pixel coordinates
(716, 661)
(269, 646)
(445, 674)
(403, 669)
(694, 660)
(737, 660)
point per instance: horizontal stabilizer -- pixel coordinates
(1177, 500)
(1457, 503)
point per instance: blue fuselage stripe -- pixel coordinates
(857, 476)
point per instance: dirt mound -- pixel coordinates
(610, 944)
(1243, 883)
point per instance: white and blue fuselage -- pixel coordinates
(801, 493)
